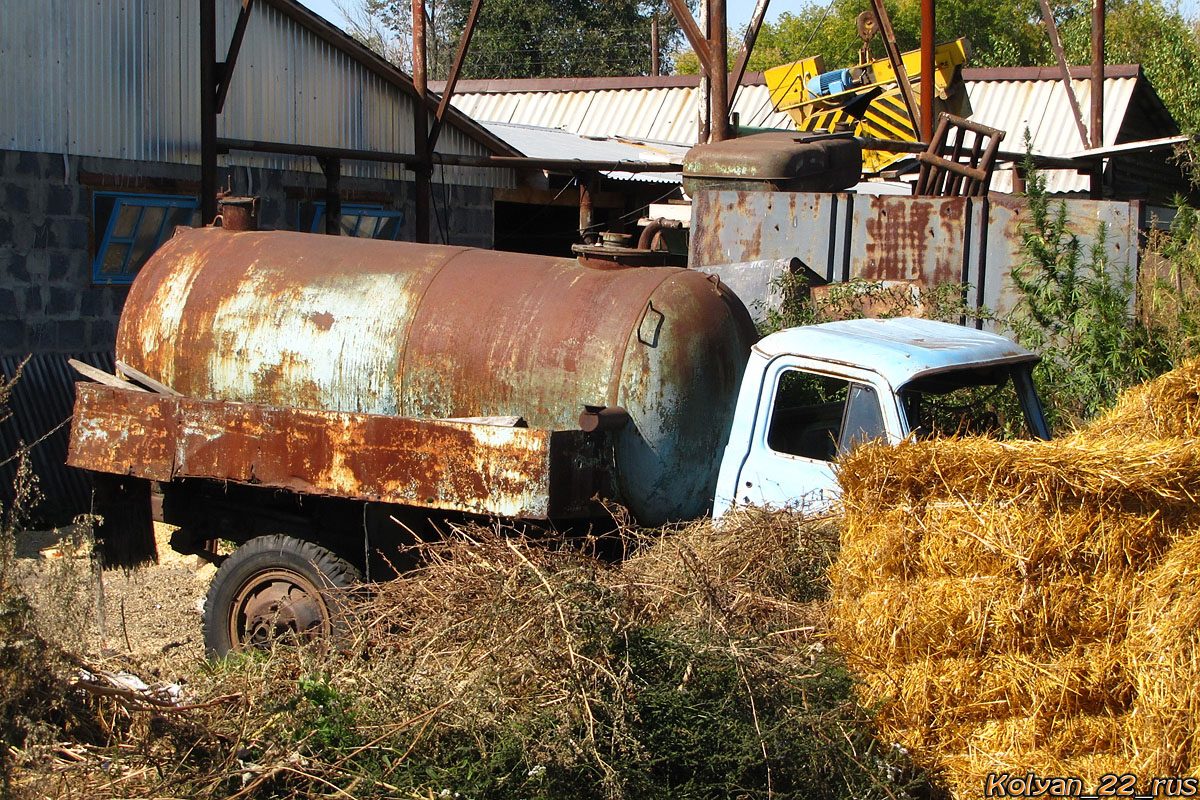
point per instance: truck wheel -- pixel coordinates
(271, 589)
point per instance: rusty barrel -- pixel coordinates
(338, 323)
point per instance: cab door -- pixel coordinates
(808, 415)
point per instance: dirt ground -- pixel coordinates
(148, 616)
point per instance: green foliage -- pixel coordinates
(1004, 34)
(1076, 311)
(523, 38)
(1146, 32)
(858, 298)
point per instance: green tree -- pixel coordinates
(1002, 34)
(523, 38)
(1149, 33)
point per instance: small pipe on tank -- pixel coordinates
(603, 418)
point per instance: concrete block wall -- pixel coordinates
(48, 302)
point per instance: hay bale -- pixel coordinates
(1164, 653)
(1166, 407)
(1032, 606)
(981, 615)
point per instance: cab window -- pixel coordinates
(821, 417)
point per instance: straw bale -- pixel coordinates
(1164, 652)
(899, 621)
(1112, 472)
(1166, 407)
(949, 697)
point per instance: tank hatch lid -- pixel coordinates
(900, 349)
(765, 156)
(788, 161)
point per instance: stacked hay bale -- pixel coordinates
(1033, 606)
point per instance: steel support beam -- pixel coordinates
(928, 84)
(208, 111)
(225, 69)
(422, 168)
(463, 45)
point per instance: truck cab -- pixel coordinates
(811, 394)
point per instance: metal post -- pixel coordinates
(588, 186)
(928, 85)
(208, 111)
(1098, 95)
(422, 168)
(654, 45)
(718, 83)
(703, 88)
(332, 167)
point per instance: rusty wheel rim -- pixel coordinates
(277, 605)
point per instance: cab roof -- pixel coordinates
(899, 349)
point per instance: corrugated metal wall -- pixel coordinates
(119, 79)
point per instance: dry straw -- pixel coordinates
(1032, 606)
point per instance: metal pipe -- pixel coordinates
(704, 87)
(332, 167)
(588, 187)
(718, 84)
(928, 82)
(208, 110)
(1097, 191)
(1097, 73)
(654, 67)
(422, 168)
(449, 159)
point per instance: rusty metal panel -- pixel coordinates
(729, 227)
(923, 240)
(480, 469)
(909, 239)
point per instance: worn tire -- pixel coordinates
(273, 588)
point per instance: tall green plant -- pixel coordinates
(1076, 309)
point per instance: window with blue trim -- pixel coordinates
(131, 227)
(364, 221)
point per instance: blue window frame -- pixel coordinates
(131, 228)
(366, 222)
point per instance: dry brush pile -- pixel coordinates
(506, 667)
(1032, 606)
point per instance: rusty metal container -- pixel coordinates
(775, 162)
(342, 324)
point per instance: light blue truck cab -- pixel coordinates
(811, 394)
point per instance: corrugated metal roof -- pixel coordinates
(120, 79)
(657, 113)
(1041, 107)
(557, 143)
(664, 109)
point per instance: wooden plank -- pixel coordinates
(146, 380)
(100, 376)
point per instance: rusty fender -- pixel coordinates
(456, 466)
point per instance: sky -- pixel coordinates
(738, 12)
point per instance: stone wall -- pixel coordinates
(48, 301)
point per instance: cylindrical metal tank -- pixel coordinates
(337, 323)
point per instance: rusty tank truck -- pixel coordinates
(299, 393)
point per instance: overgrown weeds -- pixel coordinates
(508, 668)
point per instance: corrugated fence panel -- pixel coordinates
(41, 404)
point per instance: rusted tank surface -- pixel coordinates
(341, 324)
